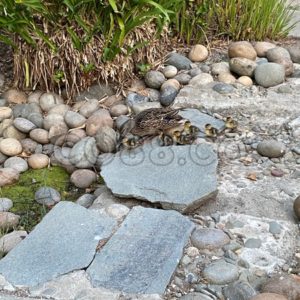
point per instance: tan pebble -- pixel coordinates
(285, 285)
(10, 147)
(118, 110)
(112, 100)
(15, 96)
(38, 161)
(242, 49)
(171, 82)
(13, 132)
(35, 97)
(192, 251)
(268, 296)
(5, 113)
(245, 80)
(170, 71)
(297, 207)
(262, 48)
(201, 79)
(39, 135)
(198, 53)
(10, 240)
(226, 78)
(83, 178)
(98, 120)
(8, 220)
(8, 176)
(4, 124)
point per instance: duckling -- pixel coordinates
(190, 129)
(177, 137)
(131, 142)
(210, 131)
(230, 123)
(166, 139)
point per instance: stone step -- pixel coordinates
(177, 177)
(143, 254)
(64, 241)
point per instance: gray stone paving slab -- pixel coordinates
(143, 254)
(177, 177)
(200, 119)
(64, 241)
(10, 297)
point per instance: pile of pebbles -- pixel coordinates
(214, 267)
(39, 129)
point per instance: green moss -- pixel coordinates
(22, 193)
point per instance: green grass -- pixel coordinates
(22, 193)
(250, 20)
(77, 42)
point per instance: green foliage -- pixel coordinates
(34, 20)
(190, 19)
(22, 193)
(143, 68)
(73, 41)
(250, 20)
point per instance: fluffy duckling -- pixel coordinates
(230, 123)
(190, 129)
(131, 142)
(182, 138)
(177, 137)
(211, 131)
(166, 139)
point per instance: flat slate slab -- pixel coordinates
(177, 177)
(64, 241)
(200, 119)
(143, 254)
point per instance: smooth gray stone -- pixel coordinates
(134, 98)
(274, 227)
(168, 95)
(239, 291)
(269, 74)
(64, 241)
(179, 61)
(223, 88)
(84, 153)
(96, 91)
(220, 272)
(200, 119)
(154, 79)
(253, 243)
(143, 254)
(178, 177)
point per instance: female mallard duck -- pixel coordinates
(152, 122)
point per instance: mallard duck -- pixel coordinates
(152, 121)
(211, 131)
(230, 123)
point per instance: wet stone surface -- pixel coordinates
(67, 228)
(142, 255)
(155, 172)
